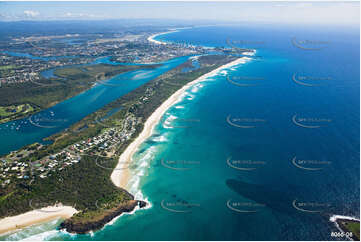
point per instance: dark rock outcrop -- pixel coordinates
(86, 226)
(142, 204)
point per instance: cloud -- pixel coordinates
(79, 15)
(31, 13)
(280, 5)
(69, 14)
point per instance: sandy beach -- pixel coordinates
(151, 38)
(38, 216)
(121, 174)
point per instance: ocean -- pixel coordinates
(266, 150)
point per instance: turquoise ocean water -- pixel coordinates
(266, 150)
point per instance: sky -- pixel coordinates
(290, 12)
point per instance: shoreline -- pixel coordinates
(121, 173)
(12, 224)
(34, 217)
(85, 227)
(151, 38)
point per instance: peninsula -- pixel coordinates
(80, 160)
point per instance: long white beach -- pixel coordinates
(151, 38)
(121, 174)
(34, 217)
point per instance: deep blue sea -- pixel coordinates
(266, 150)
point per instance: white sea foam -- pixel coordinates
(196, 87)
(42, 236)
(64, 232)
(190, 96)
(181, 97)
(143, 164)
(171, 117)
(224, 72)
(137, 208)
(251, 53)
(160, 138)
(166, 126)
(38, 226)
(334, 217)
(133, 184)
(144, 161)
(168, 121)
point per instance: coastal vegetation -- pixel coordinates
(86, 184)
(80, 185)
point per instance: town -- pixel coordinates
(103, 145)
(22, 60)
